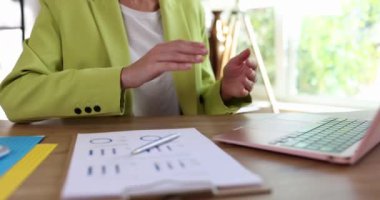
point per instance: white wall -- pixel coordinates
(10, 40)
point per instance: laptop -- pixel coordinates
(342, 138)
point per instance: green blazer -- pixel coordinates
(71, 65)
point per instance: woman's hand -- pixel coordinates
(170, 56)
(239, 76)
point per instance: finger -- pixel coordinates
(187, 47)
(251, 75)
(251, 64)
(192, 43)
(241, 58)
(248, 84)
(180, 58)
(243, 92)
(171, 66)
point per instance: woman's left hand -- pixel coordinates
(239, 76)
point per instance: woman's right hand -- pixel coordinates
(169, 56)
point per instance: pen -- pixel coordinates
(155, 143)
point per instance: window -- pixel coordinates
(12, 32)
(324, 52)
(338, 54)
(10, 35)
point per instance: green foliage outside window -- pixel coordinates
(339, 54)
(336, 55)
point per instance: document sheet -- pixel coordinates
(102, 164)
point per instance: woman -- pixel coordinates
(133, 57)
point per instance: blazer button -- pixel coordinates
(78, 111)
(88, 109)
(97, 108)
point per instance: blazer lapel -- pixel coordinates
(110, 24)
(175, 28)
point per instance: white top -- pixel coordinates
(158, 96)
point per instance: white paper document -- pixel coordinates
(102, 165)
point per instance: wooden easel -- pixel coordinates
(236, 20)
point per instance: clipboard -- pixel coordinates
(196, 189)
(102, 168)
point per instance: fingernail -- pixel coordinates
(199, 58)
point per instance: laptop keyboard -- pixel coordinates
(332, 135)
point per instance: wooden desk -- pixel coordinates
(289, 177)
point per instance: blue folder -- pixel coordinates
(19, 146)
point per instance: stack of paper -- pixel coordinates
(24, 157)
(19, 146)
